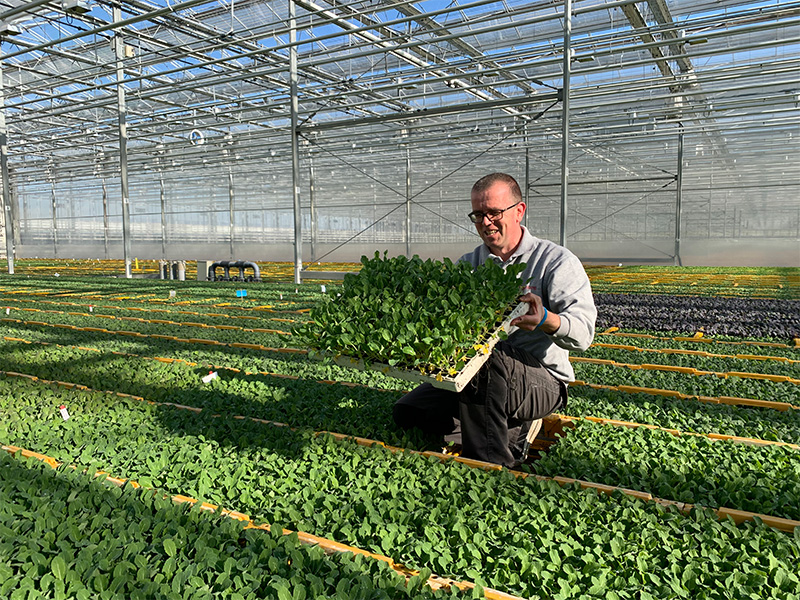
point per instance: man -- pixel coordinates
(526, 376)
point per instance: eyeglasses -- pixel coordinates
(494, 215)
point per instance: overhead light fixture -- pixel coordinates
(75, 7)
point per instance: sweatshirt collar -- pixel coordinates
(526, 245)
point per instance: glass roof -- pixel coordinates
(451, 87)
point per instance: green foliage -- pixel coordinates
(698, 385)
(686, 415)
(694, 469)
(299, 402)
(425, 315)
(65, 535)
(529, 538)
(699, 362)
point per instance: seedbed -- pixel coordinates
(767, 365)
(727, 345)
(686, 383)
(401, 504)
(72, 536)
(601, 449)
(693, 469)
(528, 538)
(697, 281)
(776, 319)
(210, 316)
(686, 415)
(285, 361)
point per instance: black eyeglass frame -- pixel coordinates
(478, 217)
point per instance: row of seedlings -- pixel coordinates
(401, 504)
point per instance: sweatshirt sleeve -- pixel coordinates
(569, 294)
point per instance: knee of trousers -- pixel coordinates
(406, 416)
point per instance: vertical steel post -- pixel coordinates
(408, 203)
(312, 208)
(678, 198)
(231, 214)
(294, 109)
(562, 239)
(163, 198)
(105, 218)
(53, 213)
(527, 195)
(8, 214)
(119, 50)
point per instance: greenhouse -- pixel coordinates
(240, 357)
(300, 131)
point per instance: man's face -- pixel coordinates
(503, 235)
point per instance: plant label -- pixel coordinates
(210, 377)
(323, 288)
(91, 309)
(64, 413)
(172, 293)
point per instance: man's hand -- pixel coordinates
(537, 316)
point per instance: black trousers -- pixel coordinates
(491, 416)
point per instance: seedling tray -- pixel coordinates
(456, 382)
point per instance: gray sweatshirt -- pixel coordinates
(555, 274)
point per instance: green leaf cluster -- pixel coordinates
(409, 313)
(64, 535)
(529, 538)
(698, 385)
(683, 415)
(693, 469)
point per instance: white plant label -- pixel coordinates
(64, 413)
(210, 377)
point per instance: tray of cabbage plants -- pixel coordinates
(422, 321)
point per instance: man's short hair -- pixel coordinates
(487, 181)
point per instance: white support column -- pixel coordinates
(679, 198)
(408, 203)
(294, 108)
(53, 212)
(562, 239)
(312, 208)
(231, 214)
(8, 214)
(527, 194)
(119, 50)
(163, 197)
(105, 217)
